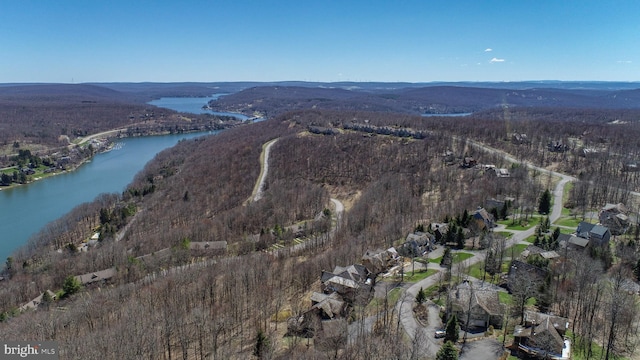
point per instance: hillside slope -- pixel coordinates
(393, 171)
(423, 100)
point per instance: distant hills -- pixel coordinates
(272, 100)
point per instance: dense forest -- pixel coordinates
(394, 172)
(48, 118)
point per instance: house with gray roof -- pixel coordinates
(482, 219)
(329, 306)
(542, 336)
(35, 303)
(615, 217)
(98, 276)
(379, 261)
(597, 234)
(572, 242)
(479, 305)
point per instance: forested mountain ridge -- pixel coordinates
(273, 100)
(198, 191)
(47, 118)
(394, 171)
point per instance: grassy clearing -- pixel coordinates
(567, 230)
(457, 257)
(572, 222)
(281, 316)
(516, 250)
(522, 224)
(376, 304)
(461, 256)
(418, 275)
(506, 298)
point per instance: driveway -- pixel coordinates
(489, 349)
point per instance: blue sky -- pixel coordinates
(323, 40)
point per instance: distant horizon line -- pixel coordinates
(323, 82)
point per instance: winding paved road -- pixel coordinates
(258, 191)
(405, 306)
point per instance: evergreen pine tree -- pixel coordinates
(421, 297)
(545, 202)
(262, 345)
(447, 352)
(452, 330)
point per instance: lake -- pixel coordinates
(447, 115)
(26, 209)
(193, 105)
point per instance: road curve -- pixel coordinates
(406, 305)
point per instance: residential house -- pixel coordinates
(449, 158)
(27, 171)
(557, 146)
(439, 230)
(502, 172)
(469, 162)
(598, 235)
(518, 138)
(482, 219)
(542, 335)
(572, 242)
(379, 261)
(535, 250)
(416, 244)
(478, 306)
(98, 276)
(348, 282)
(328, 306)
(33, 304)
(615, 217)
(94, 239)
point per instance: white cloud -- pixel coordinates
(496, 60)
(624, 61)
(488, 50)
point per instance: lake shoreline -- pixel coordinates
(106, 137)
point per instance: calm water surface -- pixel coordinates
(193, 105)
(25, 210)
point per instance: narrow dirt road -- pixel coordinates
(258, 190)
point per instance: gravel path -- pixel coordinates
(265, 169)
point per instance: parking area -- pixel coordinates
(489, 349)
